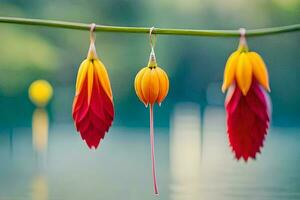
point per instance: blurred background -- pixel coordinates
(193, 157)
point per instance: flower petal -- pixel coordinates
(163, 84)
(154, 86)
(90, 80)
(145, 83)
(260, 70)
(244, 73)
(247, 121)
(230, 69)
(103, 77)
(81, 75)
(138, 85)
(150, 85)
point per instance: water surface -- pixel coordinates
(193, 162)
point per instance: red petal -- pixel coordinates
(247, 121)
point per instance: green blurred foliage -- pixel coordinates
(22, 55)
(194, 64)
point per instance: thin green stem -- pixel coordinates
(163, 31)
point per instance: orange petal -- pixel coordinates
(154, 86)
(244, 73)
(145, 82)
(150, 85)
(163, 84)
(137, 85)
(260, 70)
(230, 69)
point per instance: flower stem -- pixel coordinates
(164, 31)
(152, 149)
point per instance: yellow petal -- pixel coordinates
(103, 77)
(244, 73)
(137, 85)
(230, 69)
(260, 70)
(90, 77)
(82, 72)
(163, 84)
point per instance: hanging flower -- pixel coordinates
(151, 86)
(93, 110)
(247, 104)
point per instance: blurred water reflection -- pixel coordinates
(274, 175)
(39, 188)
(40, 126)
(185, 152)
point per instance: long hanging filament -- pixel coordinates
(152, 149)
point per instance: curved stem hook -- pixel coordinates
(92, 32)
(92, 50)
(152, 37)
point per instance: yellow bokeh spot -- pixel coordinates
(40, 92)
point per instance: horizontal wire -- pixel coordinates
(163, 31)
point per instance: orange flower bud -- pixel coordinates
(151, 84)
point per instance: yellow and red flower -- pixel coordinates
(247, 104)
(93, 109)
(243, 66)
(151, 86)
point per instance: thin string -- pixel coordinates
(92, 32)
(92, 50)
(153, 150)
(243, 41)
(152, 38)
